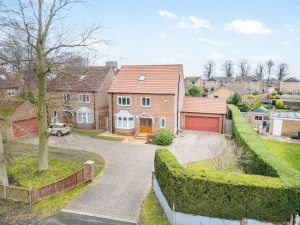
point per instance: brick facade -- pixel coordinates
(289, 127)
(290, 87)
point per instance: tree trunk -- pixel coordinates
(3, 172)
(42, 118)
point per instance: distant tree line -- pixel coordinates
(243, 66)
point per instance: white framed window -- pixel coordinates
(85, 117)
(163, 122)
(146, 101)
(295, 84)
(54, 114)
(84, 98)
(125, 101)
(66, 97)
(124, 122)
(11, 92)
(283, 83)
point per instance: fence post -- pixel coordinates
(91, 165)
(173, 215)
(4, 190)
(30, 192)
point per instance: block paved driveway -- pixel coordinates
(120, 190)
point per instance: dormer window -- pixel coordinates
(142, 78)
(81, 77)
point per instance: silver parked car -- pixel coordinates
(58, 129)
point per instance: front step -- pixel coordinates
(141, 136)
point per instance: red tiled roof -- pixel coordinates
(204, 105)
(160, 79)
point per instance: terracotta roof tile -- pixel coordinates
(160, 79)
(204, 105)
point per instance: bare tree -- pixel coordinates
(209, 69)
(227, 67)
(270, 66)
(260, 70)
(244, 67)
(39, 26)
(282, 71)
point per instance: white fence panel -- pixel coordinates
(189, 219)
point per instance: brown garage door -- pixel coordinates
(210, 124)
(25, 127)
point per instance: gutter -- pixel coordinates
(178, 105)
(94, 110)
(112, 113)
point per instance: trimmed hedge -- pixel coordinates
(270, 193)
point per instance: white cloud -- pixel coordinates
(212, 42)
(287, 42)
(162, 35)
(290, 27)
(247, 27)
(166, 14)
(214, 55)
(193, 22)
(193, 39)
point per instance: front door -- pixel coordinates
(146, 125)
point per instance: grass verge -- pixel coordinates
(289, 152)
(22, 167)
(96, 134)
(151, 212)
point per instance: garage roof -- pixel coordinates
(204, 105)
(286, 115)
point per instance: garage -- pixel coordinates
(25, 127)
(210, 124)
(203, 114)
(284, 123)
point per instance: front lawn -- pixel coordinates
(23, 167)
(289, 152)
(151, 212)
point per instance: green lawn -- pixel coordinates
(151, 212)
(289, 152)
(96, 134)
(23, 167)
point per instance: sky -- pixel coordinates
(191, 32)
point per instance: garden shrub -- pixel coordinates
(279, 104)
(187, 93)
(270, 191)
(277, 97)
(194, 91)
(164, 136)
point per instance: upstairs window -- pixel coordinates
(283, 83)
(66, 97)
(11, 92)
(84, 98)
(125, 101)
(146, 102)
(295, 84)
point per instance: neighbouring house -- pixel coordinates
(227, 91)
(271, 85)
(8, 87)
(79, 96)
(145, 98)
(192, 81)
(17, 118)
(290, 85)
(203, 114)
(250, 83)
(285, 123)
(216, 82)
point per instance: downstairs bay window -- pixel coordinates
(85, 115)
(124, 120)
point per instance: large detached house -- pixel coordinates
(79, 96)
(145, 98)
(250, 83)
(216, 82)
(290, 85)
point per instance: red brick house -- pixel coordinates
(9, 88)
(17, 118)
(203, 114)
(79, 96)
(144, 98)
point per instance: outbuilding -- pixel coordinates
(17, 119)
(203, 114)
(285, 123)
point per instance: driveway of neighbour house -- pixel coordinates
(123, 185)
(192, 146)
